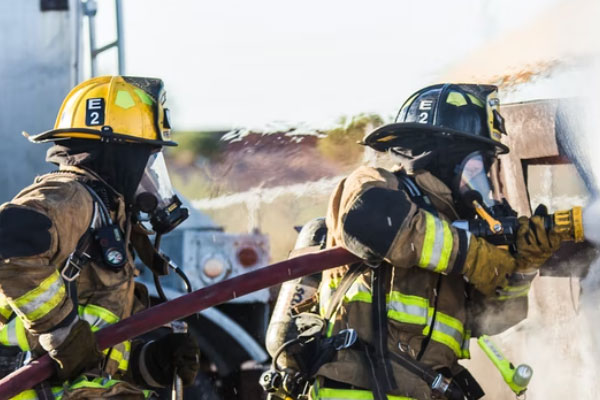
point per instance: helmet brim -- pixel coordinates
(55, 135)
(384, 137)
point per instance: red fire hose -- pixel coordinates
(181, 307)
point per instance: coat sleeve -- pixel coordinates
(38, 230)
(371, 217)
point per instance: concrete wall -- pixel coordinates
(36, 66)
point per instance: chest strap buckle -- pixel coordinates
(73, 265)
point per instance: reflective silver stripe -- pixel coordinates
(411, 309)
(448, 330)
(40, 300)
(357, 287)
(466, 343)
(94, 320)
(12, 332)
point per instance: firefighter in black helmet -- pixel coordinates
(419, 297)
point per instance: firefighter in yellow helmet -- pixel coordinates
(426, 283)
(66, 246)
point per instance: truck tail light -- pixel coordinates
(247, 256)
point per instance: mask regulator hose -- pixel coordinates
(178, 271)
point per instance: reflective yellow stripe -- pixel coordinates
(407, 309)
(120, 354)
(512, 292)
(446, 249)
(349, 394)
(359, 296)
(100, 383)
(13, 334)
(30, 394)
(98, 318)
(4, 336)
(437, 244)
(5, 309)
(428, 241)
(358, 291)
(415, 310)
(80, 383)
(40, 301)
(446, 330)
(21, 334)
(465, 352)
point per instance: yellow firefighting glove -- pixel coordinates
(535, 244)
(73, 351)
(160, 359)
(487, 266)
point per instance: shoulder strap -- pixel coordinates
(80, 255)
(353, 273)
(419, 197)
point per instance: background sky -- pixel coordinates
(248, 63)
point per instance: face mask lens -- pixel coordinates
(155, 196)
(474, 177)
(156, 180)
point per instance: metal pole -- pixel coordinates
(90, 8)
(120, 38)
(181, 307)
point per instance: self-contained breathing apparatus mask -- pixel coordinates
(157, 204)
(155, 199)
(477, 186)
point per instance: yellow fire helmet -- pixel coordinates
(113, 109)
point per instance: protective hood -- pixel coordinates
(121, 165)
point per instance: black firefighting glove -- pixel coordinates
(175, 352)
(77, 352)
